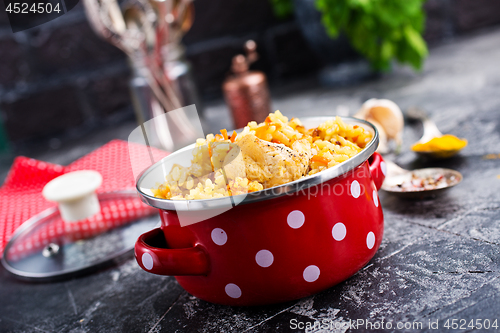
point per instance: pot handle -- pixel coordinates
(378, 169)
(153, 256)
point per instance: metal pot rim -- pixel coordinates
(270, 193)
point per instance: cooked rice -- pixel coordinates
(333, 142)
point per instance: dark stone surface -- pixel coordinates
(13, 66)
(470, 15)
(211, 63)
(42, 113)
(82, 101)
(70, 48)
(64, 50)
(90, 306)
(290, 53)
(106, 95)
(283, 53)
(439, 258)
(4, 20)
(327, 51)
(438, 23)
(229, 18)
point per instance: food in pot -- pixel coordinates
(273, 164)
(274, 152)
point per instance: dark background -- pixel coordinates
(61, 78)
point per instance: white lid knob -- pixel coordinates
(75, 194)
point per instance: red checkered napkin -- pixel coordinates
(21, 198)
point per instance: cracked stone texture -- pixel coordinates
(439, 258)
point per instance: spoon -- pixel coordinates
(419, 183)
(430, 132)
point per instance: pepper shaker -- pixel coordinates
(245, 91)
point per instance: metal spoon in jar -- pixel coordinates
(419, 183)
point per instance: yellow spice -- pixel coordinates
(445, 142)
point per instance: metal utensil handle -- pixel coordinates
(430, 131)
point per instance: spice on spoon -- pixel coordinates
(417, 183)
(442, 143)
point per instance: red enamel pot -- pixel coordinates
(271, 246)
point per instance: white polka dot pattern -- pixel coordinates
(264, 258)
(370, 240)
(383, 167)
(219, 236)
(375, 198)
(233, 290)
(295, 219)
(355, 189)
(339, 231)
(311, 273)
(147, 261)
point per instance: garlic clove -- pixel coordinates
(383, 146)
(387, 113)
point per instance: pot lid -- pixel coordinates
(155, 174)
(45, 247)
